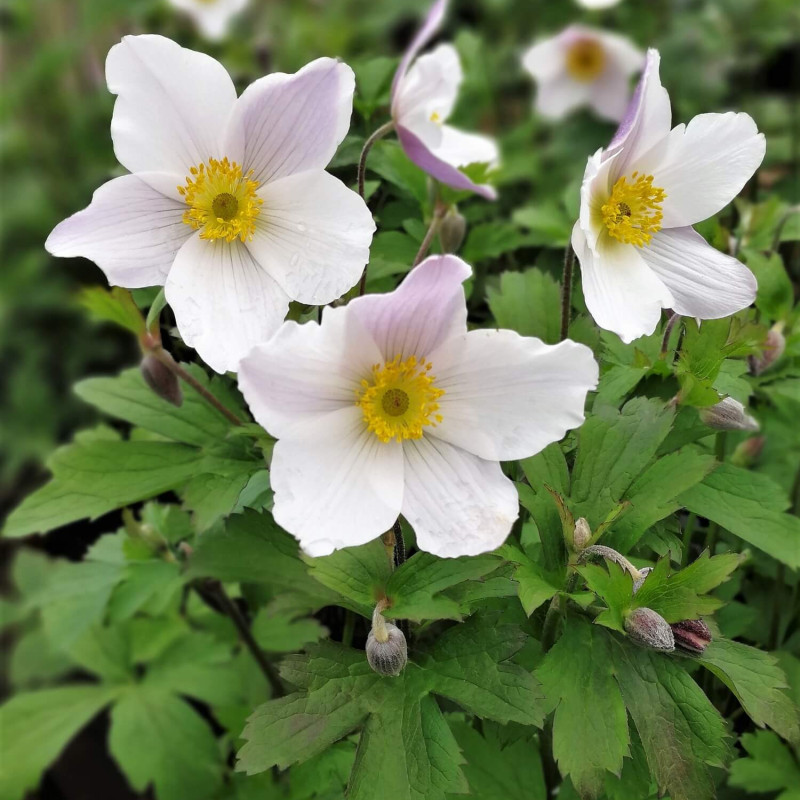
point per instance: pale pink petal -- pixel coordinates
(610, 94)
(507, 396)
(336, 485)
(430, 26)
(212, 18)
(556, 97)
(131, 231)
(704, 282)
(460, 148)
(172, 105)
(545, 59)
(306, 371)
(622, 293)
(427, 308)
(702, 166)
(284, 124)
(224, 302)
(625, 55)
(312, 236)
(457, 504)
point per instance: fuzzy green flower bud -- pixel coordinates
(582, 534)
(387, 652)
(691, 635)
(748, 452)
(649, 629)
(161, 380)
(728, 415)
(452, 231)
(774, 346)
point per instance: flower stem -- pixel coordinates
(713, 528)
(362, 162)
(438, 215)
(566, 291)
(173, 366)
(668, 332)
(399, 544)
(349, 628)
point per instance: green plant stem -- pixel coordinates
(551, 623)
(687, 538)
(713, 529)
(671, 322)
(438, 215)
(349, 628)
(399, 544)
(566, 291)
(173, 366)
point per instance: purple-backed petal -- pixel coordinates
(424, 35)
(424, 158)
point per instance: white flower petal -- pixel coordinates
(704, 282)
(557, 97)
(224, 302)
(701, 167)
(337, 485)
(457, 504)
(312, 236)
(461, 149)
(429, 87)
(507, 396)
(430, 26)
(131, 231)
(212, 17)
(284, 124)
(172, 104)
(545, 59)
(427, 308)
(622, 293)
(306, 371)
(625, 55)
(610, 94)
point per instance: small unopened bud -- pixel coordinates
(692, 635)
(582, 534)
(748, 452)
(387, 652)
(774, 346)
(647, 628)
(452, 231)
(161, 380)
(728, 415)
(638, 582)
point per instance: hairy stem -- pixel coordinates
(438, 215)
(566, 291)
(671, 322)
(173, 366)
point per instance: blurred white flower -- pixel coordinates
(228, 206)
(583, 67)
(390, 406)
(639, 199)
(597, 3)
(424, 93)
(212, 17)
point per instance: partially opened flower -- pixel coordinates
(390, 406)
(639, 199)
(212, 17)
(424, 93)
(228, 206)
(583, 67)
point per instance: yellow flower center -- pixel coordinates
(585, 59)
(633, 212)
(222, 202)
(436, 117)
(400, 399)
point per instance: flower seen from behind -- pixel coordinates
(212, 17)
(639, 199)
(390, 406)
(583, 67)
(424, 93)
(228, 204)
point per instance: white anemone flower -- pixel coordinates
(212, 17)
(390, 406)
(640, 197)
(583, 67)
(593, 4)
(228, 205)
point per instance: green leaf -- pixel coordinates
(157, 738)
(129, 398)
(775, 295)
(282, 628)
(769, 767)
(145, 584)
(414, 587)
(533, 588)
(680, 730)
(528, 303)
(750, 505)
(358, 574)
(758, 683)
(36, 727)
(615, 586)
(590, 728)
(94, 477)
(113, 305)
(212, 497)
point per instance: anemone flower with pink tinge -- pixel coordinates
(212, 17)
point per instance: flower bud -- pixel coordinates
(637, 582)
(582, 534)
(774, 346)
(728, 415)
(387, 652)
(452, 231)
(748, 452)
(691, 635)
(647, 628)
(161, 380)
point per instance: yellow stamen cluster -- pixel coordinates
(586, 59)
(400, 399)
(222, 202)
(436, 117)
(633, 212)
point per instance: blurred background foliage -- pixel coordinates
(55, 147)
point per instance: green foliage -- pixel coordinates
(768, 767)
